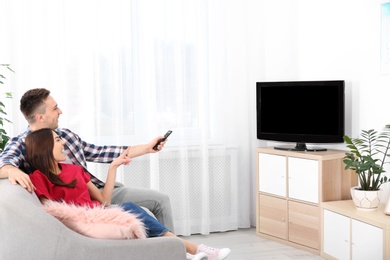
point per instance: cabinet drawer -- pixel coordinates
(273, 216)
(367, 241)
(303, 224)
(303, 177)
(272, 174)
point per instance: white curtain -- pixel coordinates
(124, 72)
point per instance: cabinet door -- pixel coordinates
(303, 179)
(272, 174)
(304, 224)
(337, 235)
(273, 216)
(367, 241)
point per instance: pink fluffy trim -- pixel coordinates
(98, 222)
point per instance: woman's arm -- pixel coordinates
(104, 197)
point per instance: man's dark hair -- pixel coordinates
(32, 102)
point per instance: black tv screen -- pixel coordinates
(300, 112)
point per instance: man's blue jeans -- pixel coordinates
(157, 202)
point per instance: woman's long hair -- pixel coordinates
(39, 154)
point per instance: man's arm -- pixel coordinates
(16, 176)
(143, 149)
(11, 158)
(81, 151)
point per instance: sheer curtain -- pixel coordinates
(124, 72)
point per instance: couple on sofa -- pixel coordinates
(42, 112)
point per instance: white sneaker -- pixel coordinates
(213, 253)
(198, 256)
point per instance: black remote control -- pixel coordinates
(163, 139)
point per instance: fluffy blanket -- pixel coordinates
(97, 222)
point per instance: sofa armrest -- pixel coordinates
(28, 232)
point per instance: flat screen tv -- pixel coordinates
(300, 112)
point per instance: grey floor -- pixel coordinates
(245, 245)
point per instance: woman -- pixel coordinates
(65, 182)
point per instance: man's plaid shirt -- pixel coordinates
(77, 150)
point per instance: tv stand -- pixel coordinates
(291, 188)
(300, 147)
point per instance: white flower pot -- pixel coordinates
(365, 200)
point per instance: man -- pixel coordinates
(41, 111)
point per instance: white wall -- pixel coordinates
(313, 40)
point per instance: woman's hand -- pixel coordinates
(105, 196)
(121, 159)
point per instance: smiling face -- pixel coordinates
(52, 113)
(46, 115)
(58, 148)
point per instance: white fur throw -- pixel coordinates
(97, 222)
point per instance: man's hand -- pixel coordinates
(138, 150)
(16, 176)
(154, 142)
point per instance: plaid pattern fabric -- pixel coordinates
(77, 150)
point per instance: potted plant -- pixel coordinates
(3, 134)
(367, 157)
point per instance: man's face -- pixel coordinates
(52, 113)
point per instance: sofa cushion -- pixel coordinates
(97, 222)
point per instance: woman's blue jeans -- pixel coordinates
(153, 227)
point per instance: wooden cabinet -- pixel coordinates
(273, 218)
(290, 188)
(303, 179)
(303, 224)
(272, 174)
(352, 234)
(336, 233)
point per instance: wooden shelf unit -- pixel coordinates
(290, 188)
(354, 234)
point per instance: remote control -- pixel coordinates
(162, 140)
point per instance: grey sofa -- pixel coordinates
(28, 232)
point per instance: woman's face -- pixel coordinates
(58, 149)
